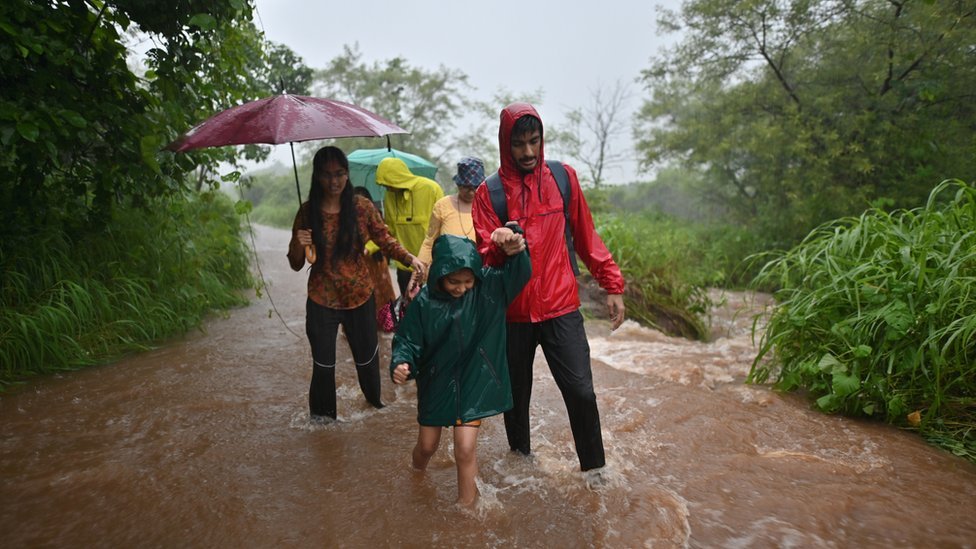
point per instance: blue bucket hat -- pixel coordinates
(470, 172)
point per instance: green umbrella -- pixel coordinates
(363, 163)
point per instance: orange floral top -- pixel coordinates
(349, 284)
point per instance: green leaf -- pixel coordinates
(28, 130)
(829, 363)
(827, 403)
(74, 118)
(862, 351)
(844, 384)
(231, 177)
(899, 319)
(204, 21)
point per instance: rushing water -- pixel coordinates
(205, 442)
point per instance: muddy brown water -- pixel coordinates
(205, 442)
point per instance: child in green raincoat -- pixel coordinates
(452, 342)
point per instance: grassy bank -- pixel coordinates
(72, 300)
(876, 317)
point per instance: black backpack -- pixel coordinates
(500, 203)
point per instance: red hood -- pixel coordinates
(510, 114)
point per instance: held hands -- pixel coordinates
(615, 306)
(400, 373)
(509, 241)
(413, 286)
(417, 277)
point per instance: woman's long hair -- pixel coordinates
(348, 241)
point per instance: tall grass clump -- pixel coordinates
(73, 300)
(876, 317)
(668, 265)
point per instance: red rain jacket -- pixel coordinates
(534, 201)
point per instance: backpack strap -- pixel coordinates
(497, 195)
(500, 204)
(562, 181)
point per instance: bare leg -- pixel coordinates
(466, 458)
(428, 439)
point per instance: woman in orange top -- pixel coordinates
(452, 214)
(340, 291)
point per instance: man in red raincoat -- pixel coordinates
(547, 312)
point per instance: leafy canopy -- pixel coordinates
(802, 111)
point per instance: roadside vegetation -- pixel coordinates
(108, 243)
(77, 300)
(876, 317)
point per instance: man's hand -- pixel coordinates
(615, 306)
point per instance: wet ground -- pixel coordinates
(206, 442)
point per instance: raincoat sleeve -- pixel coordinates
(588, 244)
(408, 341)
(486, 221)
(507, 281)
(380, 235)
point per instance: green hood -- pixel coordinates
(452, 253)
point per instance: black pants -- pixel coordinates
(322, 328)
(403, 278)
(564, 344)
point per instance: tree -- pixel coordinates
(593, 129)
(81, 133)
(804, 111)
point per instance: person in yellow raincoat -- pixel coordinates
(407, 208)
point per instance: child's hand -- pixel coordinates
(413, 286)
(509, 241)
(400, 373)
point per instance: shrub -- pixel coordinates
(876, 316)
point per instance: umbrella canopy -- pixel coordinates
(363, 163)
(284, 119)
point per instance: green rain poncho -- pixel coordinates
(456, 346)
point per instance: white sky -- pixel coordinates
(567, 48)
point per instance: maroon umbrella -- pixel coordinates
(285, 119)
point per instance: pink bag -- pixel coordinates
(389, 315)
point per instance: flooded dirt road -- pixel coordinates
(205, 442)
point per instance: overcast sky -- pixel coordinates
(567, 48)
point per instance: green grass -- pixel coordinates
(73, 300)
(876, 317)
(669, 264)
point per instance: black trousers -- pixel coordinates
(564, 344)
(322, 328)
(403, 278)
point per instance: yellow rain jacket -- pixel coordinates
(408, 203)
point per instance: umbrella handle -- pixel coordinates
(310, 254)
